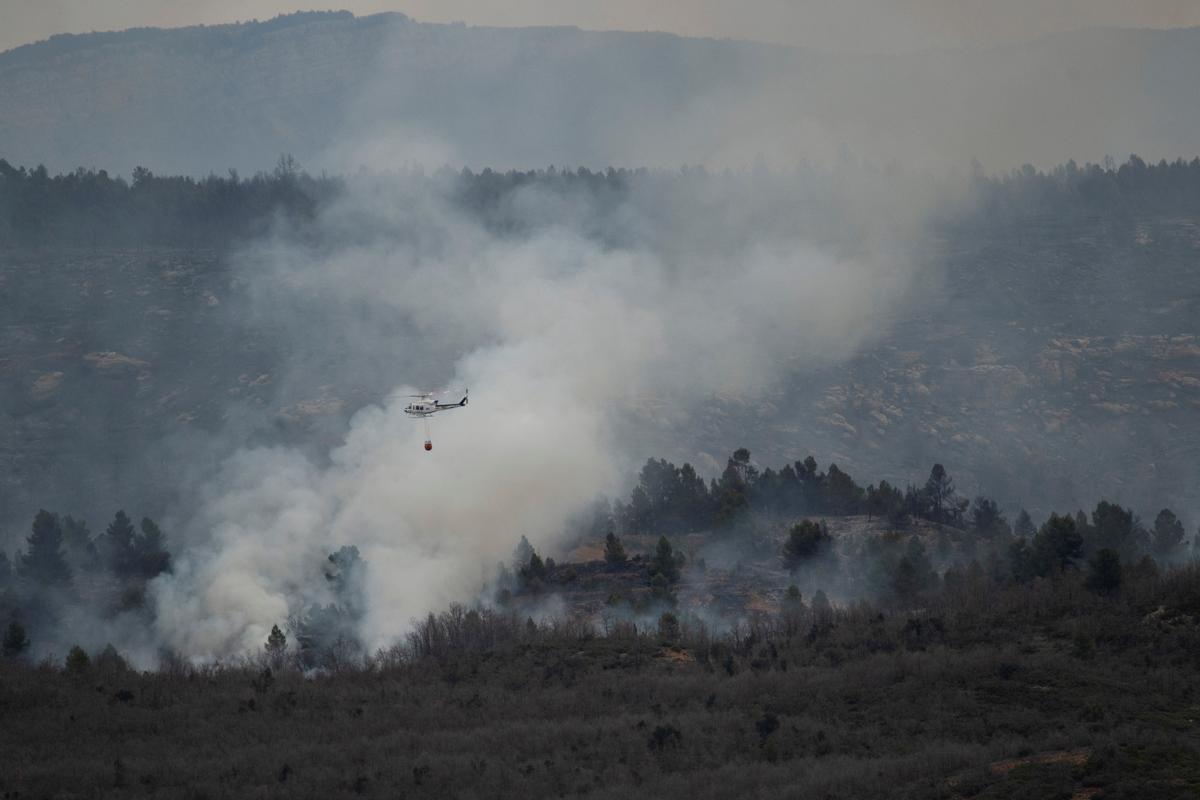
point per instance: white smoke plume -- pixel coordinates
(558, 336)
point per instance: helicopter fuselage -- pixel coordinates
(427, 408)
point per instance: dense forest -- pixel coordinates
(929, 539)
(1064, 668)
(89, 207)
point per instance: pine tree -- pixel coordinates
(740, 460)
(805, 540)
(15, 640)
(885, 501)
(695, 504)
(1115, 528)
(78, 546)
(986, 518)
(1020, 560)
(842, 494)
(1024, 525)
(5, 570)
(1083, 526)
(1168, 534)
(276, 647)
(151, 551)
(614, 551)
(659, 480)
(812, 482)
(110, 660)
(44, 561)
(640, 511)
(77, 660)
(731, 494)
(1104, 572)
(939, 493)
(1057, 546)
(914, 573)
(118, 547)
(522, 554)
(533, 572)
(346, 572)
(664, 562)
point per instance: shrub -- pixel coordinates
(668, 627)
(806, 539)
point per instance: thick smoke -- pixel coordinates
(572, 347)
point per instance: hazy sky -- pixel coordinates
(871, 25)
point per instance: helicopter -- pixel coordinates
(424, 406)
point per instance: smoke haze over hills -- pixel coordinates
(338, 92)
(847, 25)
(832, 415)
(829, 308)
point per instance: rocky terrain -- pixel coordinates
(122, 370)
(1044, 365)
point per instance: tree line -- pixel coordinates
(672, 499)
(63, 562)
(91, 207)
(1108, 189)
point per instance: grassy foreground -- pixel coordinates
(1039, 691)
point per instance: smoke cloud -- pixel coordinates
(573, 349)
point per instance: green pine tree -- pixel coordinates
(44, 561)
(118, 547)
(614, 551)
(914, 572)
(1057, 547)
(805, 540)
(276, 647)
(1168, 534)
(1104, 572)
(664, 562)
(15, 640)
(77, 660)
(78, 546)
(150, 549)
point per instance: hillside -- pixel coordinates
(1050, 357)
(337, 91)
(985, 692)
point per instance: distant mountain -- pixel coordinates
(337, 90)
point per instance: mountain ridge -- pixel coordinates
(337, 91)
